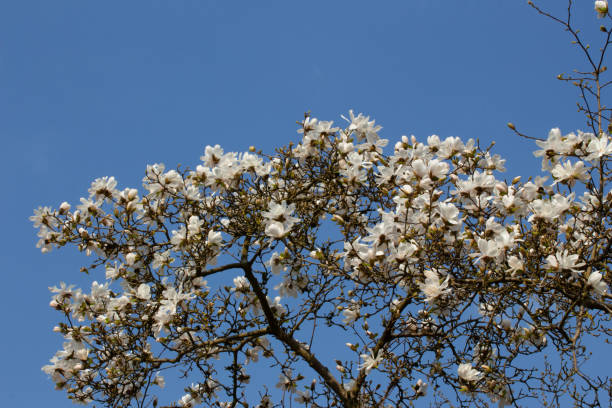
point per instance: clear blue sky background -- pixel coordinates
(94, 88)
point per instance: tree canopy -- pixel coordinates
(436, 273)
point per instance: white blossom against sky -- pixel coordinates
(91, 89)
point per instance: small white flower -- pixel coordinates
(81, 353)
(420, 388)
(449, 213)
(303, 396)
(64, 207)
(570, 172)
(564, 261)
(275, 230)
(432, 288)
(285, 382)
(597, 148)
(278, 219)
(143, 292)
(515, 264)
(489, 249)
(159, 380)
(214, 238)
(130, 258)
(194, 225)
(112, 272)
(241, 284)
(468, 373)
(275, 263)
(601, 7)
(595, 282)
(350, 315)
(370, 361)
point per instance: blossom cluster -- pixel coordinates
(423, 248)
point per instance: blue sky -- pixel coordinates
(91, 88)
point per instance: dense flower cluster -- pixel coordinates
(424, 250)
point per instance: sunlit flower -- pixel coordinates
(303, 396)
(350, 314)
(370, 361)
(569, 172)
(420, 388)
(241, 284)
(597, 284)
(599, 147)
(285, 382)
(601, 7)
(143, 292)
(449, 213)
(432, 288)
(564, 261)
(278, 219)
(468, 373)
(515, 263)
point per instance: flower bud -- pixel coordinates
(501, 187)
(601, 7)
(130, 258)
(132, 194)
(64, 207)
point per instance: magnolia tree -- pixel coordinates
(361, 276)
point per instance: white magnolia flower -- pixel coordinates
(64, 207)
(179, 237)
(303, 396)
(241, 284)
(601, 7)
(432, 288)
(285, 382)
(564, 261)
(280, 212)
(570, 172)
(595, 282)
(449, 213)
(363, 127)
(420, 388)
(516, 264)
(194, 225)
(276, 306)
(275, 263)
(489, 249)
(143, 292)
(214, 238)
(350, 315)
(276, 230)
(288, 287)
(468, 373)
(103, 188)
(130, 258)
(89, 206)
(112, 272)
(598, 147)
(191, 399)
(370, 361)
(159, 380)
